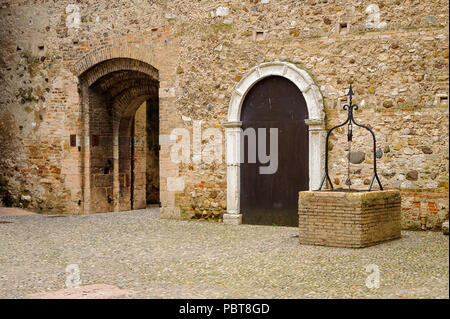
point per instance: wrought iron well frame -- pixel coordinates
(350, 107)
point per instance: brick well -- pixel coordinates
(344, 219)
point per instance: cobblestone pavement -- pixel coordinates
(157, 258)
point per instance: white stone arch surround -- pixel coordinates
(315, 122)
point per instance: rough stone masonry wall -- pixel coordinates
(398, 67)
(351, 220)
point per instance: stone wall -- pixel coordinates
(395, 54)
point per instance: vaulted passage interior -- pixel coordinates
(120, 127)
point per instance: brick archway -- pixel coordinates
(114, 83)
(143, 54)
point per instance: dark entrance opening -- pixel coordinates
(152, 160)
(272, 199)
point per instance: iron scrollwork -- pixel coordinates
(350, 121)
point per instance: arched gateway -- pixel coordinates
(263, 82)
(113, 86)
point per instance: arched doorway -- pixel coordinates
(233, 128)
(275, 106)
(117, 95)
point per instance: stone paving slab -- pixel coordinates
(156, 258)
(12, 211)
(98, 291)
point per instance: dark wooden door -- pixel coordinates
(272, 199)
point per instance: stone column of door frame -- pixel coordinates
(317, 135)
(233, 158)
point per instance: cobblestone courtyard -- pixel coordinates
(155, 258)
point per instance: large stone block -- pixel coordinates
(445, 228)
